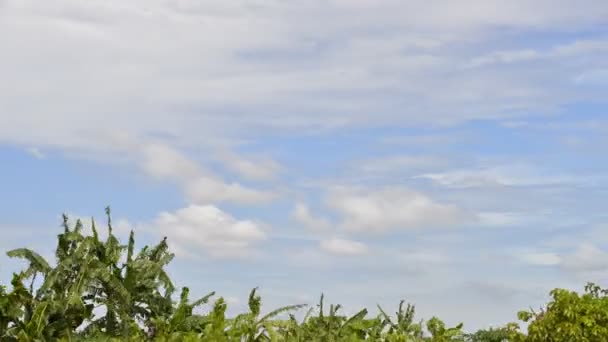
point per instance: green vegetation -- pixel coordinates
(135, 297)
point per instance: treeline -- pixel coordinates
(102, 290)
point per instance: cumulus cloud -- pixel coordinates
(302, 214)
(205, 230)
(390, 208)
(339, 246)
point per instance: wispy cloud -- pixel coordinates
(275, 75)
(251, 168)
(396, 208)
(340, 246)
(511, 175)
(542, 259)
(302, 214)
(199, 185)
(586, 258)
(36, 153)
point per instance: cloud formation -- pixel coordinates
(581, 258)
(302, 214)
(344, 247)
(200, 186)
(586, 258)
(207, 229)
(263, 169)
(395, 208)
(113, 66)
(511, 175)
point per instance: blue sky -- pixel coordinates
(449, 154)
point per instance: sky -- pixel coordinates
(446, 153)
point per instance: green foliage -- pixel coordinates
(132, 290)
(570, 317)
(491, 335)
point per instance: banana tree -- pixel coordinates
(404, 328)
(439, 332)
(58, 307)
(183, 321)
(138, 290)
(250, 327)
(332, 326)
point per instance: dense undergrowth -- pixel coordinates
(136, 299)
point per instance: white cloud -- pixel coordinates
(587, 257)
(584, 258)
(163, 162)
(269, 69)
(506, 57)
(256, 169)
(302, 214)
(516, 219)
(572, 49)
(199, 230)
(390, 208)
(513, 175)
(463, 179)
(541, 259)
(200, 186)
(339, 246)
(581, 47)
(499, 219)
(208, 190)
